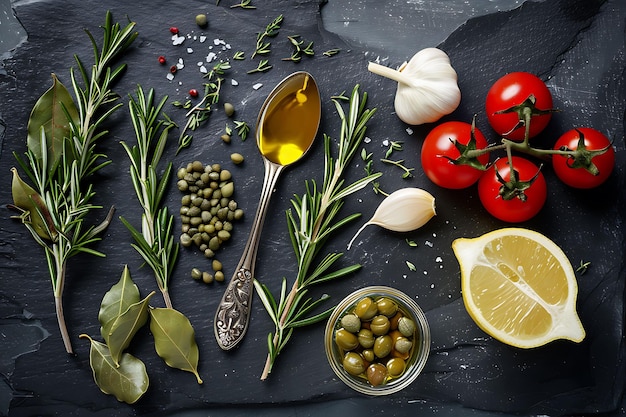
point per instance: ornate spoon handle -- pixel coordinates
(233, 312)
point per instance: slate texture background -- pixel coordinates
(576, 46)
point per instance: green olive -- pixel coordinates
(201, 20)
(368, 355)
(406, 326)
(229, 109)
(403, 345)
(346, 340)
(379, 325)
(366, 308)
(353, 363)
(395, 367)
(366, 338)
(386, 306)
(225, 138)
(376, 374)
(351, 322)
(383, 346)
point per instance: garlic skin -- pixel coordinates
(427, 86)
(403, 210)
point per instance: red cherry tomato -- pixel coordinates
(439, 150)
(513, 90)
(513, 210)
(571, 170)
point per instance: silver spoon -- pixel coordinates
(285, 130)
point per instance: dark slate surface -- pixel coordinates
(576, 46)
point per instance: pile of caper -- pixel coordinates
(376, 339)
(207, 212)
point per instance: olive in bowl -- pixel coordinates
(377, 340)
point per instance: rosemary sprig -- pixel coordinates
(271, 30)
(64, 187)
(311, 222)
(299, 50)
(155, 243)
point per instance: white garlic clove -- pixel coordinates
(403, 210)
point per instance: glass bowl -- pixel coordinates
(414, 359)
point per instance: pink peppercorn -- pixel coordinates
(174, 30)
(162, 60)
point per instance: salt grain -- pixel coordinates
(234, 82)
(177, 40)
(428, 243)
(202, 39)
(257, 86)
(367, 139)
(169, 76)
(409, 130)
(203, 69)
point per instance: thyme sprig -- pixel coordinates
(155, 243)
(201, 111)
(263, 46)
(311, 221)
(63, 184)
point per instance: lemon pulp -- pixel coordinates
(519, 287)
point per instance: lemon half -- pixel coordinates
(519, 287)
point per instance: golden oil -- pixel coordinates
(289, 122)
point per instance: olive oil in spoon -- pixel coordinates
(285, 130)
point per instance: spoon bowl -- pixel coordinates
(285, 131)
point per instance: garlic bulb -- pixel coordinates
(427, 86)
(402, 211)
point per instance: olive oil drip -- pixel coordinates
(285, 134)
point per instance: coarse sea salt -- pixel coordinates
(169, 76)
(234, 82)
(203, 69)
(202, 39)
(177, 40)
(257, 86)
(190, 50)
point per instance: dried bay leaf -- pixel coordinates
(174, 339)
(127, 382)
(124, 327)
(34, 210)
(117, 300)
(53, 112)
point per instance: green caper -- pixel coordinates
(197, 201)
(383, 346)
(237, 158)
(197, 166)
(217, 265)
(223, 235)
(403, 345)
(366, 308)
(185, 240)
(395, 367)
(366, 338)
(185, 219)
(208, 253)
(185, 200)
(195, 221)
(406, 326)
(379, 325)
(225, 175)
(207, 278)
(182, 185)
(351, 323)
(353, 363)
(228, 189)
(193, 211)
(214, 243)
(376, 374)
(201, 20)
(346, 340)
(206, 216)
(227, 226)
(225, 138)
(180, 174)
(196, 273)
(238, 214)
(197, 239)
(386, 306)
(229, 109)
(219, 276)
(232, 205)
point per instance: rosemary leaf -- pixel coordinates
(62, 179)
